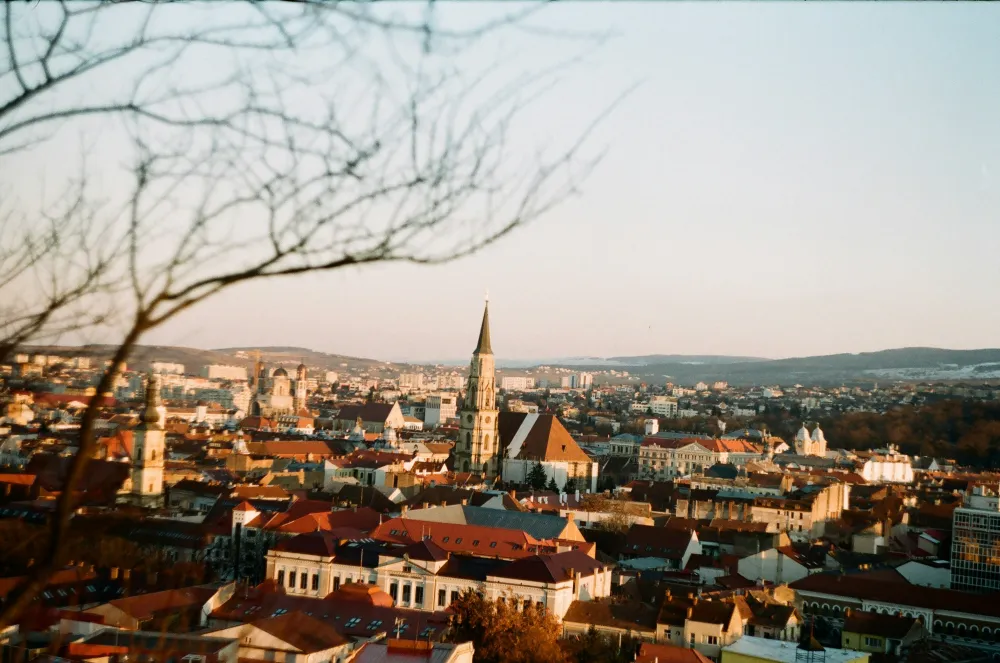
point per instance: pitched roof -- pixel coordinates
(459, 538)
(859, 586)
(552, 568)
(145, 606)
(303, 632)
(663, 653)
(320, 544)
(369, 412)
(874, 623)
(544, 437)
(649, 540)
(538, 525)
(632, 615)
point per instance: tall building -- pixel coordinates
(147, 450)
(476, 450)
(975, 543)
(224, 372)
(301, 388)
(813, 444)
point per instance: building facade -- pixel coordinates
(975, 546)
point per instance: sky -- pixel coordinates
(780, 180)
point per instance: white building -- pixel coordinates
(165, 367)
(663, 406)
(541, 438)
(332, 376)
(810, 444)
(439, 408)
(888, 467)
(413, 381)
(517, 383)
(224, 372)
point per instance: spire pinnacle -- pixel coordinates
(483, 347)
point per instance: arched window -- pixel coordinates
(486, 469)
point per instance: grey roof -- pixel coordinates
(538, 525)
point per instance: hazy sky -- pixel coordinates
(786, 179)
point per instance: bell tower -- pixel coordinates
(147, 450)
(476, 450)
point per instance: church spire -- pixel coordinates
(151, 413)
(483, 347)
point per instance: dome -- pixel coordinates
(301, 367)
(803, 434)
(280, 373)
(817, 435)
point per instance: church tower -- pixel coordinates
(476, 450)
(147, 450)
(301, 393)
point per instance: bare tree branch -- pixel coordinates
(334, 136)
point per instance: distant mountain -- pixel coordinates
(710, 360)
(899, 364)
(912, 364)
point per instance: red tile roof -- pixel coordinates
(458, 538)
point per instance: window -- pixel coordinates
(291, 579)
(713, 640)
(279, 611)
(693, 637)
(873, 642)
(475, 542)
(454, 595)
(375, 624)
(418, 595)
(442, 597)
(336, 583)
(458, 541)
(304, 582)
(352, 622)
(394, 591)
(493, 544)
(315, 582)
(406, 593)
(281, 577)
(445, 539)
(427, 632)
(407, 569)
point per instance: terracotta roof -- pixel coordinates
(456, 538)
(362, 519)
(547, 439)
(145, 606)
(18, 479)
(320, 544)
(359, 592)
(654, 653)
(553, 568)
(633, 615)
(258, 492)
(244, 506)
(375, 413)
(303, 632)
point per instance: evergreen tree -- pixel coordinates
(570, 485)
(552, 486)
(536, 477)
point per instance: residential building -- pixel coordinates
(160, 367)
(224, 372)
(975, 561)
(888, 467)
(877, 633)
(517, 383)
(410, 651)
(439, 409)
(663, 406)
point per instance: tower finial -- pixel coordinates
(487, 295)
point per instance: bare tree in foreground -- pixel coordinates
(262, 141)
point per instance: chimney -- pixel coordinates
(465, 502)
(404, 509)
(426, 505)
(694, 601)
(690, 612)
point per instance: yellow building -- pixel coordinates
(879, 633)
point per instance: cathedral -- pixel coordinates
(810, 444)
(509, 445)
(478, 443)
(276, 393)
